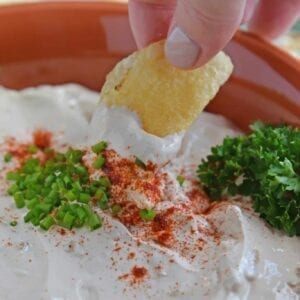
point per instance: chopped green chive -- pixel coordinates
(60, 214)
(102, 198)
(13, 223)
(81, 213)
(37, 213)
(76, 186)
(70, 196)
(59, 191)
(59, 157)
(29, 216)
(35, 221)
(13, 189)
(104, 181)
(81, 170)
(32, 203)
(49, 180)
(84, 197)
(47, 222)
(49, 151)
(12, 176)
(74, 156)
(19, 199)
(94, 221)
(7, 157)
(116, 209)
(99, 162)
(43, 207)
(140, 163)
(32, 149)
(68, 220)
(147, 214)
(180, 180)
(98, 148)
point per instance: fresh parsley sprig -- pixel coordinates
(264, 165)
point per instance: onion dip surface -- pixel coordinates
(192, 249)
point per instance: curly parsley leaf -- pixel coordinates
(264, 165)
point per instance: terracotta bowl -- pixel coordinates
(54, 43)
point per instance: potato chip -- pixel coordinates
(166, 99)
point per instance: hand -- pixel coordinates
(197, 29)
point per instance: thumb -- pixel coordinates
(200, 29)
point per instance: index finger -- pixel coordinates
(273, 18)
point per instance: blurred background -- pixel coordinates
(290, 42)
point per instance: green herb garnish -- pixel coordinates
(180, 180)
(19, 199)
(98, 148)
(13, 223)
(94, 221)
(7, 157)
(116, 209)
(47, 222)
(147, 214)
(32, 149)
(59, 191)
(102, 198)
(264, 165)
(140, 163)
(99, 162)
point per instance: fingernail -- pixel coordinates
(181, 51)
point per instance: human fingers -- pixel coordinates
(200, 29)
(273, 17)
(150, 19)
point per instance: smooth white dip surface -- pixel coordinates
(228, 253)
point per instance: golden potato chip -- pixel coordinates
(166, 99)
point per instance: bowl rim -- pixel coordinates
(279, 58)
(122, 7)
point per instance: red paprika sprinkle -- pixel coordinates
(42, 138)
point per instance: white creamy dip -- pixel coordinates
(247, 259)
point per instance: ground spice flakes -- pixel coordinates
(42, 138)
(137, 275)
(21, 151)
(128, 180)
(126, 176)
